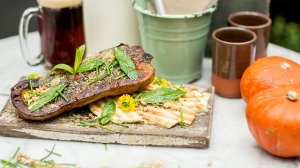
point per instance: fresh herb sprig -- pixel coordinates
(126, 64)
(80, 67)
(19, 160)
(108, 67)
(107, 112)
(30, 77)
(160, 95)
(78, 60)
(48, 96)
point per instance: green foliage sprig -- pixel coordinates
(160, 95)
(79, 67)
(48, 96)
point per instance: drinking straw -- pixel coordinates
(160, 8)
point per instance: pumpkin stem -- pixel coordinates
(285, 65)
(292, 95)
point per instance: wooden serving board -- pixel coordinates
(64, 127)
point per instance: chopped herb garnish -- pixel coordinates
(47, 96)
(120, 76)
(98, 79)
(126, 64)
(20, 160)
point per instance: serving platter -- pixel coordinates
(64, 127)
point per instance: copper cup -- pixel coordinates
(259, 23)
(233, 50)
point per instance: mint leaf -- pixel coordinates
(126, 64)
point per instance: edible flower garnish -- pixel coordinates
(161, 82)
(127, 103)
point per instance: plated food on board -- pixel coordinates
(111, 72)
(118, 84)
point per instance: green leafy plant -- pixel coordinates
(286, 34)
(108, 110)
(126, 64)
(20, 160)
(48, 96)
(30, 77)
(79, 67)
(160, 95)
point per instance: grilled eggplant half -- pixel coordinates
(86, 87)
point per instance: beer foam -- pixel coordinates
(59, 3)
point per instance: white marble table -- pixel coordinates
(231, 146)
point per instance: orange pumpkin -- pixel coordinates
(268, 72)
(273, 117)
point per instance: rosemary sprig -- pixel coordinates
(47, 96)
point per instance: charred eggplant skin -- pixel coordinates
(78, 92)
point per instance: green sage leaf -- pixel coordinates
(89, 65)
(161, 95)
(126, 64)
(78, 57)
(64, 67)
(108, 110)
(46, 97)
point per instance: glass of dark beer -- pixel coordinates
(61, 29)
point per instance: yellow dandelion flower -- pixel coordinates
(33, 76)
(127, 103)
(163, 82)
(154, 80)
